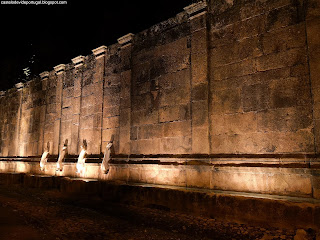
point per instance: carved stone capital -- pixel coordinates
(99, 52)
(44, 75)
(78, 61)
(19, 86)
(59, 69)
(2, 93)
(126, 40)
(196, 9)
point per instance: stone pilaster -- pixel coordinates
(60, 70)
(16, 149)
(76, 105)
(313, 42)
(100, 55)
(44, 80)
(125, 95)
(199, 77)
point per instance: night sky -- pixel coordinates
(57, 33)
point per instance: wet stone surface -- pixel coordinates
(35, 214)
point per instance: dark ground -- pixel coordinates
(37, 214)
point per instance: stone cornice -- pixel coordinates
(19, 86)
(44, 75)
(59, 69)
(196, 9)
(126, 39)
(100, 51)
(78, 61)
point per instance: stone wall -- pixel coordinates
(222, 77)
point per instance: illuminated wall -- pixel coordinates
(226, 77)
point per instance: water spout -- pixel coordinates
(62, 155)
(81, 159)
(44, 157)
(106, 158)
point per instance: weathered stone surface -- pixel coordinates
(240, 79)
(175, 145)
(145, 146)
(173, 129)
(227, 101)
(174, 113)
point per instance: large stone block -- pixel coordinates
(254, 8)
(276, 60)
(250, 27)
(199, 66)
(176, 55)
(236, 51)
(199, 42)
(292, 182)
(175, 145)
(255, 97)
(109, 134)
(145, 146)
(283, 16)
(242, 68)
(199, 92)
(174, 113)
(110, 111)
(144, 117)
(173, 129)
(226, 101)
(233, 123)
(198, 176)
(176, 80)
(150, 131)
(284, 119)
(111, 122)
(199, 113)
(142, 102)
(177, 96)
(274, 142)
(200, 140)
(124, 118)
(290, 92)
(283, 39)
(86, 122)
(124, 141)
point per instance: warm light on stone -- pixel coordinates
(44, 75)
(196, 9)
(99, 52)
(227, 100)
(19, 86)
(126, 39)
(78, 61)
(60, 69)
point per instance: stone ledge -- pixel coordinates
(298, 182)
